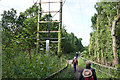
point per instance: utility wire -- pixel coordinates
(59, 10)
(49, 5)
(52, 16)
(35, 2)
(49, 20)
(33, 5)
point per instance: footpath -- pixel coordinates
(78, 69)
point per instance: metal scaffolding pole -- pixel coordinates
(60, 26)
(38, 24)
(49, 21)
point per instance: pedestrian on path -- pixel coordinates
(75, 62)
(88, 73)
(76, 54)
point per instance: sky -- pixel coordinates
(76, 14)
(78, 19)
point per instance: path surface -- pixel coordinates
(78, 69)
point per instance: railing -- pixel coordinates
(57, 72)
(54, 74)
(103, 69)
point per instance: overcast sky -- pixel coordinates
(76, 14)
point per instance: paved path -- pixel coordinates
(78, 69)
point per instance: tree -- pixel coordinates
(104, 37)
(71, 43)
(113, 14)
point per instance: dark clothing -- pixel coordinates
(93, 71)
(76, 55)
(74, 65)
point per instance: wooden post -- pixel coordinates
(38, 25)
(0, 53)
(60, 26)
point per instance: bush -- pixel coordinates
(65, 74)
(20, 66)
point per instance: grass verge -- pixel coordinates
(67, 74)
(99, 74)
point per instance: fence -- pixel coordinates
(103, 69)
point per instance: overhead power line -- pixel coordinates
(59, 9)
(35, 2)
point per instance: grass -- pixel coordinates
(102, 74)
(0, 67)
(81, 63)
(67, 74)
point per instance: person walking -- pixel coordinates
(88, 73)
(75, 62)
(76, 54)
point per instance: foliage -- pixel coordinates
(71, 43)
(19, 45)
(81, 63)
(0, 51)
(101, 72)
(66, 74)
(20, 67)
(69, 56)
(101, 39)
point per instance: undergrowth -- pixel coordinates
(69, 56)
(67, 74)
(99, 74)
(20, 66)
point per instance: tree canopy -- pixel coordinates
(104, 41)
(19, 34)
